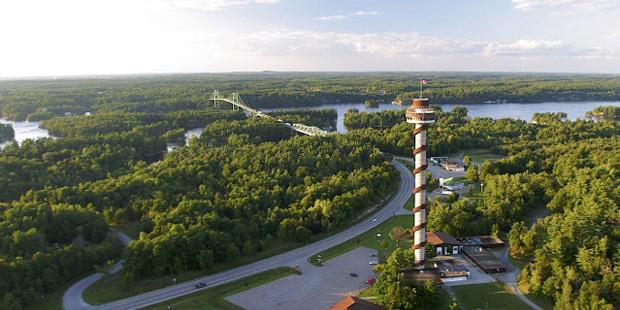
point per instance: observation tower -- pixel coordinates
(420, 114)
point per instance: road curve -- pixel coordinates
(72, 299)
(290, 258)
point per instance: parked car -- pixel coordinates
(200, 285)
(353, 274)
(370, 281)
(373, 262)
(373, 255)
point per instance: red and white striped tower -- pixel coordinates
(422, 116)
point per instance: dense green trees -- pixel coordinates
(325, 118)
(241, 194)
(396, 292)
(569, 167)
(43, 246)
(354, 119)
(247, 185)
(605, 113)
(232, 191)
(40, 99)
(6, 132)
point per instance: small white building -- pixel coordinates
(449, 184)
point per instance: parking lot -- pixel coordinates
(316, 288)
(439, 172)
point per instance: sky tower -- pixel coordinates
(420, 114)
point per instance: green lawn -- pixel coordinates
(478, 156)
(444, 298)
(369, 239)
(409, 205)
(487, 296)
(213, 298)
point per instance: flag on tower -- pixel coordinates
(423, 81)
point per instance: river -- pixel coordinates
(25, 130)
(522, 111)
(574, 110)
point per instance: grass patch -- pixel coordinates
(478, 156)
(369, 239)
(408, 206)
(213, 298)
(444, 299)
(492, 295)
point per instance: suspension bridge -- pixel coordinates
(237, 104)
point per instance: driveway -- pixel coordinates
(316, 288)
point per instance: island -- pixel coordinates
(6, 133)
(370, 103)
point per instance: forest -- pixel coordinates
(42, 99)
(242, 187)
(570, 168)
(6, 132)
(246, 184)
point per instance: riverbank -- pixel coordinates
(524, 111)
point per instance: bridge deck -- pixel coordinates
(235, 100)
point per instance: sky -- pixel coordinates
(87, 37)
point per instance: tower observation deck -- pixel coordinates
(420, 114)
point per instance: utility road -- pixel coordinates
(73, 299)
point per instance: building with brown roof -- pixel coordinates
(354, 303)
(444, 243)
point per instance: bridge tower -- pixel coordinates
(421, 115)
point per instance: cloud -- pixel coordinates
(213, 5)
(408, 44)
(344, 16)
(580, 5)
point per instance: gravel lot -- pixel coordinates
(317, 288)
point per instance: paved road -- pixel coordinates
(72, 298)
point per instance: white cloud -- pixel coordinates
(213, 5)
(580, 5)
(344, 16)
(409, 44)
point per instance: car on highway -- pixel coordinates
(200, 285)
(374, 220)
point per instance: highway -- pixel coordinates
(73, 299)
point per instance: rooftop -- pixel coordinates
(354, 303)
(439, 238)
